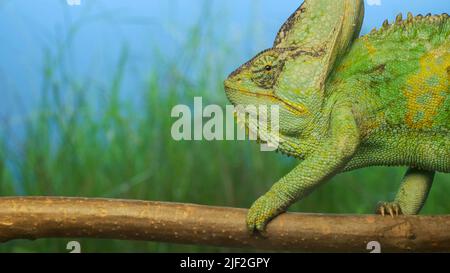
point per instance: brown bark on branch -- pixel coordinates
(44, 217)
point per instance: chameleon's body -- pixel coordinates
(398, 78)
(347, 103)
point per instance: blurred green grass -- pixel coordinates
(80, 144)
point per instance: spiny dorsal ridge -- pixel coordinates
(410, 21)
(399, 18)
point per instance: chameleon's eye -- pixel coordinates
(265, 71)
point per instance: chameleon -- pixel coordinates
(348, 101)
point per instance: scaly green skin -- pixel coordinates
(382, 99)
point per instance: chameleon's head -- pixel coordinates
(272, 78)
(292, 74)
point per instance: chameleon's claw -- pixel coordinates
(391, 212)
(393, 208)
(382, 210)
(261, 212)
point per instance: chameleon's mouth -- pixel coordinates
(231, 88)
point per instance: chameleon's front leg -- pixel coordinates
(333, 154)
(412, 194)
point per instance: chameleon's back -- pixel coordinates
(405, 68)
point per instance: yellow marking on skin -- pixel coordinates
(427, 90)
(371, 125)
(448, 73)
(294, 107)
(370, 48)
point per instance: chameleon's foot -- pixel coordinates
(391, 208)
(262, 211)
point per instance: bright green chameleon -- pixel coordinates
(348, 102)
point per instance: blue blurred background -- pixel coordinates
(98, 30)
(86, 93)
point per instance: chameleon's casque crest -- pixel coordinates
(326, 37)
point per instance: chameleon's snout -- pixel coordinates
(230, 90)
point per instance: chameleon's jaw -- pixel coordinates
(241, 96)
(230, 91)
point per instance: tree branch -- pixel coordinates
(44, 217)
